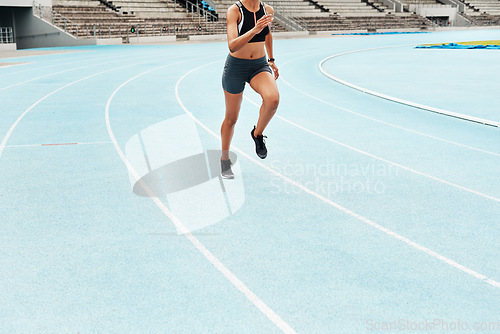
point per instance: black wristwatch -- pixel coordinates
(271, 59)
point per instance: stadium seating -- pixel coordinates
(150, 8)
(369, 23)
(350, 8)
(105, 18)
(290, 8)
(92, 18)
(476, 7)
(483, 19)
(341, 14)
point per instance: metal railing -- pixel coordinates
(43, 12)
(286, 17)
(157, 30)
(290, 24)
(6, 35)
(192, 8)
(47, 14)
(146, 29)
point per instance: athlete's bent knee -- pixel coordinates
(272, 101)
(230, 121)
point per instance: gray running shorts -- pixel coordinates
(237, 71)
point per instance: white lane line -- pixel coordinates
(381, 159)
(96, 143)
(68, 70)
(338, 206)
(5, 65)
(371, 118)
(250, 295)
(80, 61)
(26, 145)
(41, 145)
(398, 100)
(11, 129)
(387, 123)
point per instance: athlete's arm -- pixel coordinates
(269, 45)
(236, 42)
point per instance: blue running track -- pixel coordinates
(367, 216)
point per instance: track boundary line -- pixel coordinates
(232, 278)
(3, 144)
(382, 159)
(387, 123)
(398, 100)
(336, 205)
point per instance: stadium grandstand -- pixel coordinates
(101, 19)
(76, 22)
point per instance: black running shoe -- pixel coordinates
(260, 145)
(225, 169)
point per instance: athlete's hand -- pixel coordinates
(263, 22)
(275, 69)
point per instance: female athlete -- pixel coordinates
(249, 37)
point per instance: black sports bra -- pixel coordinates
(248, 21)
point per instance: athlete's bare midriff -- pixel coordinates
(250, 51)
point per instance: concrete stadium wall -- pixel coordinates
(151, 40)
(276, 35)
(208, 37)
(24, 3)
(443, 11)
(461, 21)
(8, 47)
(32, 32)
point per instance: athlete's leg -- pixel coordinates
(264, 84)
(233, 104)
